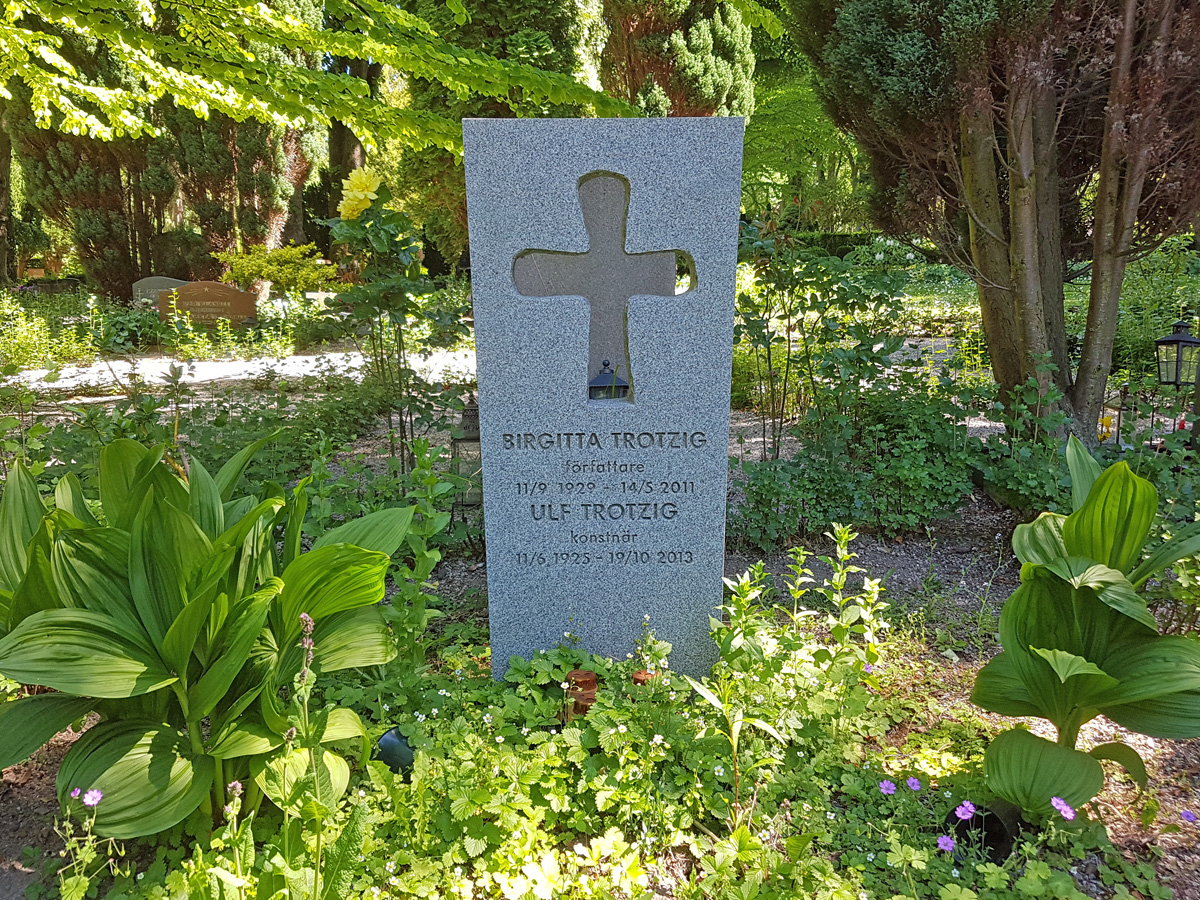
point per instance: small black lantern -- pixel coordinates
(1178, 356)
(466, 460)
(607, 386)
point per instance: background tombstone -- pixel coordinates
(208, 301)
(599, 512)
(147, 289)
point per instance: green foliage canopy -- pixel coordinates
(184, 51)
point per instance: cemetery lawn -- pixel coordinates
(642, 798)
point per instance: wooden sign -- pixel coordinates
(208, 301)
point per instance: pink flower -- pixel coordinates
(92, 798)
(1063, 808)
(946, 843)
(75, 794)
(306, 623)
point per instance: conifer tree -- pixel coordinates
(679, 57)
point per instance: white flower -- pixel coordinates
(831, 815)
(386, 707)
(391, 867)
(954, 872)
(433, 711)
(870, 857)
(949, 794)
(362, 793)
(909, 256)
(791, 693)
(878, 256)
(565, 686)
(622, 729)
(646, 617)
(657, 739)
(420, 717)
(524, 731)
(671, 696)
(487, 718)
(499, 739)
(719, 771)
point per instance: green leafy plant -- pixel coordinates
(177, 621)
(1079, 641)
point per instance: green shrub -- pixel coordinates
(1079, 642)
(290, 270)
(183, 622)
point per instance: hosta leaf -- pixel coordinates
(21, 511)
(1159, 690)
(383, 531)
(81, 652)
(999, 689)
(1109, 585)
(90, 569)
(145, 771)
(354, 639)
(1124, 756)
(245, 739)
(1041, 540)
(242, 629)
(27, 724)
(68, 495)
(1068, 665)
(332, 579)
(1112, 525)
(287, 777)
(1028, 770)
(204, 501)
(1084, 471)
(166, 548)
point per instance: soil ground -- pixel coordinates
(946, 584)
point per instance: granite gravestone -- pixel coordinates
(147, 289)
(208, 301)
(603, 506)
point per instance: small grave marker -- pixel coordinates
(146, 290)
(208, 301)
(601, 512)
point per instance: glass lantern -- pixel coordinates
(1178, 356)
(607, 385)
(466, 460)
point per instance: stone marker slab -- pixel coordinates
(600, 512)
(147, 289)
(208, 301)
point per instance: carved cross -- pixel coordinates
(606, 276)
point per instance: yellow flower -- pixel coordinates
(362, 184)
(352, 208)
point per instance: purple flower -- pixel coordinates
(887, 787)
(306, 623)
(1188, 816)
(868, 668)
(75, 794)
(965, 810)
(913, 783)
(92, 798)
(946, 843)
(235, 788)
(1063, 807)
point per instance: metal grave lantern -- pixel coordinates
(466, 460)
(1178, 356)
(607, 386)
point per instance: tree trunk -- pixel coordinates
(989, 244)
(1023, 224)
(1124, 163)
(5, 202)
